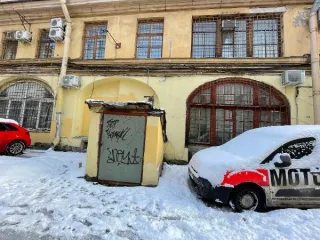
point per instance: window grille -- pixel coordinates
(9, 48)
(220, 110)
(95, 41)
(149, 39)
(46, 45)
(29, 103)
(245, 36)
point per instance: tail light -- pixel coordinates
(27, 132)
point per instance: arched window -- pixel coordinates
(28, 102)
(220, 110)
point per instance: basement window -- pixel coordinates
(149, 39)
(30, 103)
(237, 36)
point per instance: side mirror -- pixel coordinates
(285, 161)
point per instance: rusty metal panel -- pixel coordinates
(122, 148)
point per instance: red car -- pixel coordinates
(14, 139)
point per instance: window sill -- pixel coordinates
(39, 130)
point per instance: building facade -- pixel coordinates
(215, 67)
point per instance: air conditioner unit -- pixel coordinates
(71, 81)
(56, 34)
(293, 77)
(56, 23)
(229, 25)
(11, 36)
(23, 36)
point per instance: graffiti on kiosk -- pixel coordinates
(120, 156)
(116, 134)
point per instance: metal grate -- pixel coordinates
(220, 110)
(46, 45)
(95, 41)
(9, 49)
(237, 36)
(28, 102)
(149, 39)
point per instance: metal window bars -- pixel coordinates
(9, 48)
(95, 40)
(46, 45)
(30, 103)
(237, 36)
(220, 110)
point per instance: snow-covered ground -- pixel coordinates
(41, 197)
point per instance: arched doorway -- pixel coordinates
(220, 110)
(28, 102)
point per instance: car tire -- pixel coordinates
(248, 199)
(15, 148)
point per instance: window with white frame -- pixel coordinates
(28, 102)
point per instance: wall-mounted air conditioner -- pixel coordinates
(10, 35)
(57, 23)
(56, 34)
(228, 25)
(71, 81)
(293, 77)
(23, 36)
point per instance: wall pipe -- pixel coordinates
(314, 30)
(63, 71)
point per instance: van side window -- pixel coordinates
(297, 149)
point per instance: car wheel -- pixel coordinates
(15, 148)
(248, 199)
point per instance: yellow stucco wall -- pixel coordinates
(176, 36)
(92, 150)
(153, 154)
(170, 92)
(153, 149)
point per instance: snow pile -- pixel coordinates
(41, 196)
(4, 120)
(249, 149)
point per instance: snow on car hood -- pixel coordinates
(212, 163)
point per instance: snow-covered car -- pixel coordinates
(264, 167)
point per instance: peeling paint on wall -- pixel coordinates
(301, 19)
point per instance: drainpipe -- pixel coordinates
(313, 25)
(63, 71)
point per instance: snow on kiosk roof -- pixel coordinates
(100, 106)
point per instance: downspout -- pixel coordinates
(313, 25)
(63, 71)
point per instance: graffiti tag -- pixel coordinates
(123, 157)
(116, 134)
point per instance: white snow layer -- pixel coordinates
(5, 120)
(249, 149)
(41, 195)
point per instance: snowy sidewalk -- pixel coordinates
(41, 195)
